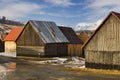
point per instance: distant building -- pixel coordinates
(84, 36)
(102, 50)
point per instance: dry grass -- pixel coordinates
(98, 71)
(33, 58)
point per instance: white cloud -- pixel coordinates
(16, 9)
(104, 3)
(64, 3)
(63, 15)
(100, 8)
(87, 26)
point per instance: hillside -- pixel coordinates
(3, 20)
(6, 25)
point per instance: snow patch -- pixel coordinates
(8, 54)
(74, 62)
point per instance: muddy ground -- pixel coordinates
(31, 71)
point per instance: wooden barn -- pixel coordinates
(103, 48)
(10, 40)
(41, 38)
(75, 44)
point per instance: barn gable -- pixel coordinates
(29, 37)
(102, 50)
(105, 34)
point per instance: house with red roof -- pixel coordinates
(10, 40)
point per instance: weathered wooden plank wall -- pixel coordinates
(10, 47)
(75, 50)
(30, 51)
(103, 51)
(29, 38)
(28, 41)
(53, 49)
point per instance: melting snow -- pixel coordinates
(7, 54)
(74, 62)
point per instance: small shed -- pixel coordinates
(75, 44)
(10, 40)
(102, 50)
(41, 38)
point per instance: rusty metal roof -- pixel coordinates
(49, 31)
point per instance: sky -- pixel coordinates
(71, 13)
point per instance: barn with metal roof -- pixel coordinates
(41, 38)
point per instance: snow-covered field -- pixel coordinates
(73, 62)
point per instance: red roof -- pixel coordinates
(13, 35)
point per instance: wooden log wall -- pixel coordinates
(75, 50)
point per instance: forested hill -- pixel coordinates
(3, 20)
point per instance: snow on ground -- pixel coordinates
(74, 62)
(7, 54)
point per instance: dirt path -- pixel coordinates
(30, 71)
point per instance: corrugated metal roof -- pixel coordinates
(71, 35)
(49, 31)
(13, 35)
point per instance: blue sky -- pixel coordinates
(63, 12)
